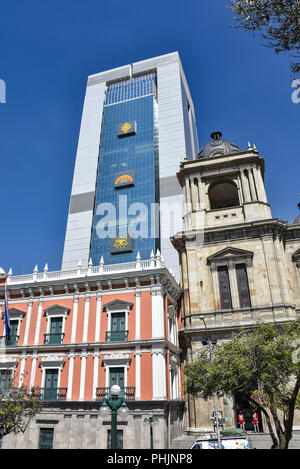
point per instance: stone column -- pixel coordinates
(137, 315)
(138, 373)
(157, 314)
(38, 323)
(28, 318)
(185, 282)
(33, 369)
(22, 368)
(250, 283)
(158, 373)
(252, 185)
(193, 277)
(246, 189)
(82, 375)
(74, 321)
(70, 375)
(202, 193)
(272, 268)
(86, 318)
(216, 288)
(98, 318)
(188, 204)
(96, 373)
(282, 270)
(233, 286)
(261, 192)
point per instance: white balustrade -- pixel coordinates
(85, 272)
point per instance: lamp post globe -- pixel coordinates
(124, 411)
(104, 411)
(115, 390)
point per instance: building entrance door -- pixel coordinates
(243, 404)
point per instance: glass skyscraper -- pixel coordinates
(137, 125)
(121, 155)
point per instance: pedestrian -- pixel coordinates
(241, 420)
(255, 420)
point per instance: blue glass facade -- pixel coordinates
(136, 154)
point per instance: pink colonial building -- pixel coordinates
(76, 333)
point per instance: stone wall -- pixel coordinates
(78, 425)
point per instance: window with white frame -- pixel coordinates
(56, 317)
(51, 373)
(117, 312)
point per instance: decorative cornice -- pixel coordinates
(52, 361)
(8, 362)
(116, 359)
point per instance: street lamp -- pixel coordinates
(114, 403)
(211, 344)
(152, 421)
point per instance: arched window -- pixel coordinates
(223, 194)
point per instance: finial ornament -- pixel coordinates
(216, 135)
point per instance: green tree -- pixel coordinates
(263, 364)
(277, 22)
(17, 407)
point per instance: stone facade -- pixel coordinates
(232, 250)
(79, 426)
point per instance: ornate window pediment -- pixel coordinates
(116, 359)
(230, 255)
(8, 362)
(57, 310)
(118, 305)
(52, 361)
(15, 313)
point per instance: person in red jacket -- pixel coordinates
(255, 420)
(241, 420)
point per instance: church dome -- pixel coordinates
(297, 219)
(218, 147)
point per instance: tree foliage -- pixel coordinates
(277, 22)
(263, 365)
(17, 408)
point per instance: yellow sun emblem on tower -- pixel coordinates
(126, 127)
(120, 243)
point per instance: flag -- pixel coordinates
(6, 317)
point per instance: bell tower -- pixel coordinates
(238, 264)
(224, 185)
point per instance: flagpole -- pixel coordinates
(6, 313)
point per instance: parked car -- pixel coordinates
(227, 442)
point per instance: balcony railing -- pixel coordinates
(52, 394)
(53, 339)
(116, 336)
(11, 341)
(150, 264)
(127, 393)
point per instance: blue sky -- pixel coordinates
(47, 50)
